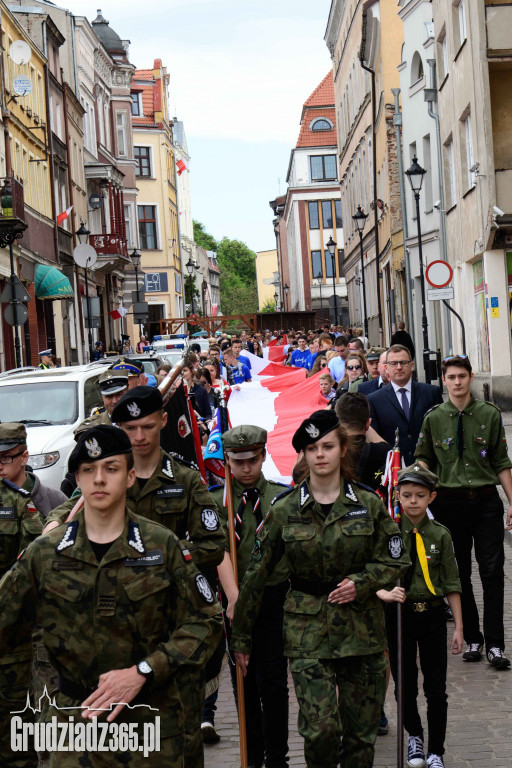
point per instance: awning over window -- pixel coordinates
(51, 283)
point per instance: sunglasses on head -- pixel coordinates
(453, 357)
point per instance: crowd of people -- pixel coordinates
(109, 596)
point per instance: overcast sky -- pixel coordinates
(240, 71)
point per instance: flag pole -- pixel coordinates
(232, 553)
(397, 516)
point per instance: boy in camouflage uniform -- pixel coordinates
(122, 608)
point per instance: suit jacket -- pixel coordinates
(367, 387)
(387, 414)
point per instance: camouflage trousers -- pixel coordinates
(191, 686)
(170, 756)
(340, 702)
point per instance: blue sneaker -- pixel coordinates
(434, 761)
(415, 752)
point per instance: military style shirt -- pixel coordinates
(477, 459)
(442, 566)
(268, 490)
(145, 599)
(357, 540)
(176, 497)
(20, 523)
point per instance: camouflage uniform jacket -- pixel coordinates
(20, 523)
(356, 540)
(268, 490)
(144, 600)
(176, 497)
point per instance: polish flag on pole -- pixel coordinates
(180, 165)
(118, 314)
(278, 399)
(64, 215)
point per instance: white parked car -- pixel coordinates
(51, 403)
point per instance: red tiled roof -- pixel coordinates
(323, 93)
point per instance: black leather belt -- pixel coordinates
(421, 607)
(74, 690)
(468, 493)
(310, 587)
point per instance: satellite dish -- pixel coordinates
(20, 52)
(95, 201)
(85, 256)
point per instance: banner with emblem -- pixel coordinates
(176, 436)
(214, 452)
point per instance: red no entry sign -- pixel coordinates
(439, 274)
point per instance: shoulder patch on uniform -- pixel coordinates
(432, 409)
(182, 460)
(395, 546)
(209, 519)
(204, 588)
(15, 487)
(366, 488)
(69, 537)
(186, 555)
(134, 537)
(280, 496)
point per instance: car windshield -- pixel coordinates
(39, 402)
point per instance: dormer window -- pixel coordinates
(321, 124)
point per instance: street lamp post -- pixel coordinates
(360, 221)
(136, 258)
(320, 283)
(331, 247)
(83, 235)
(286, 288)
(276, 297)
(190, 268)
(415, 175)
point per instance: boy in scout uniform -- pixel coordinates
(123, 610)
(169, 491)
(266, 685)
(432, 576)
(463, 442)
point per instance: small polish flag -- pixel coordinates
(63, 216)
(180, 165)
(117, 314)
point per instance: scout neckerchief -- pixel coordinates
(249, 495)
(418, 553)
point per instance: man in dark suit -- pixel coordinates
(378, 381)
(402, 403)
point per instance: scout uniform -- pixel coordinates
(266, 684)
(329, 645)
(423, 619)
(467, 450)
(142, 602)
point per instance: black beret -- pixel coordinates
(137, 403)
(313, 428)
(97, 443)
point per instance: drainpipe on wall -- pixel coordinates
(397, 122)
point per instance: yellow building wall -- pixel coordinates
(266, 267)
(27, 145)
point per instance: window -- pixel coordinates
(459, 22)
(143, 160)
(337, 208)
(327, 214)
(314, 220)
(136, 104)
(128, 222)
(328, 264)
(323, 167)
(451, 192)
(316, 264)
(416, 68)
(467, 154)
(321, 124)
(147, 226)
(427, 164)
(121, 134)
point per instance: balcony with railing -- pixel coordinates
(109, 245)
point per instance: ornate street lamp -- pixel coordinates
(331, 247)
(359, 219)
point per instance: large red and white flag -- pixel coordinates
(117, 314)
(277, 399)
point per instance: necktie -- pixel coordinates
(405, 402)
(251, 495)
(418, 553)
(460, 434)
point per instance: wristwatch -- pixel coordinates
(145, 669)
